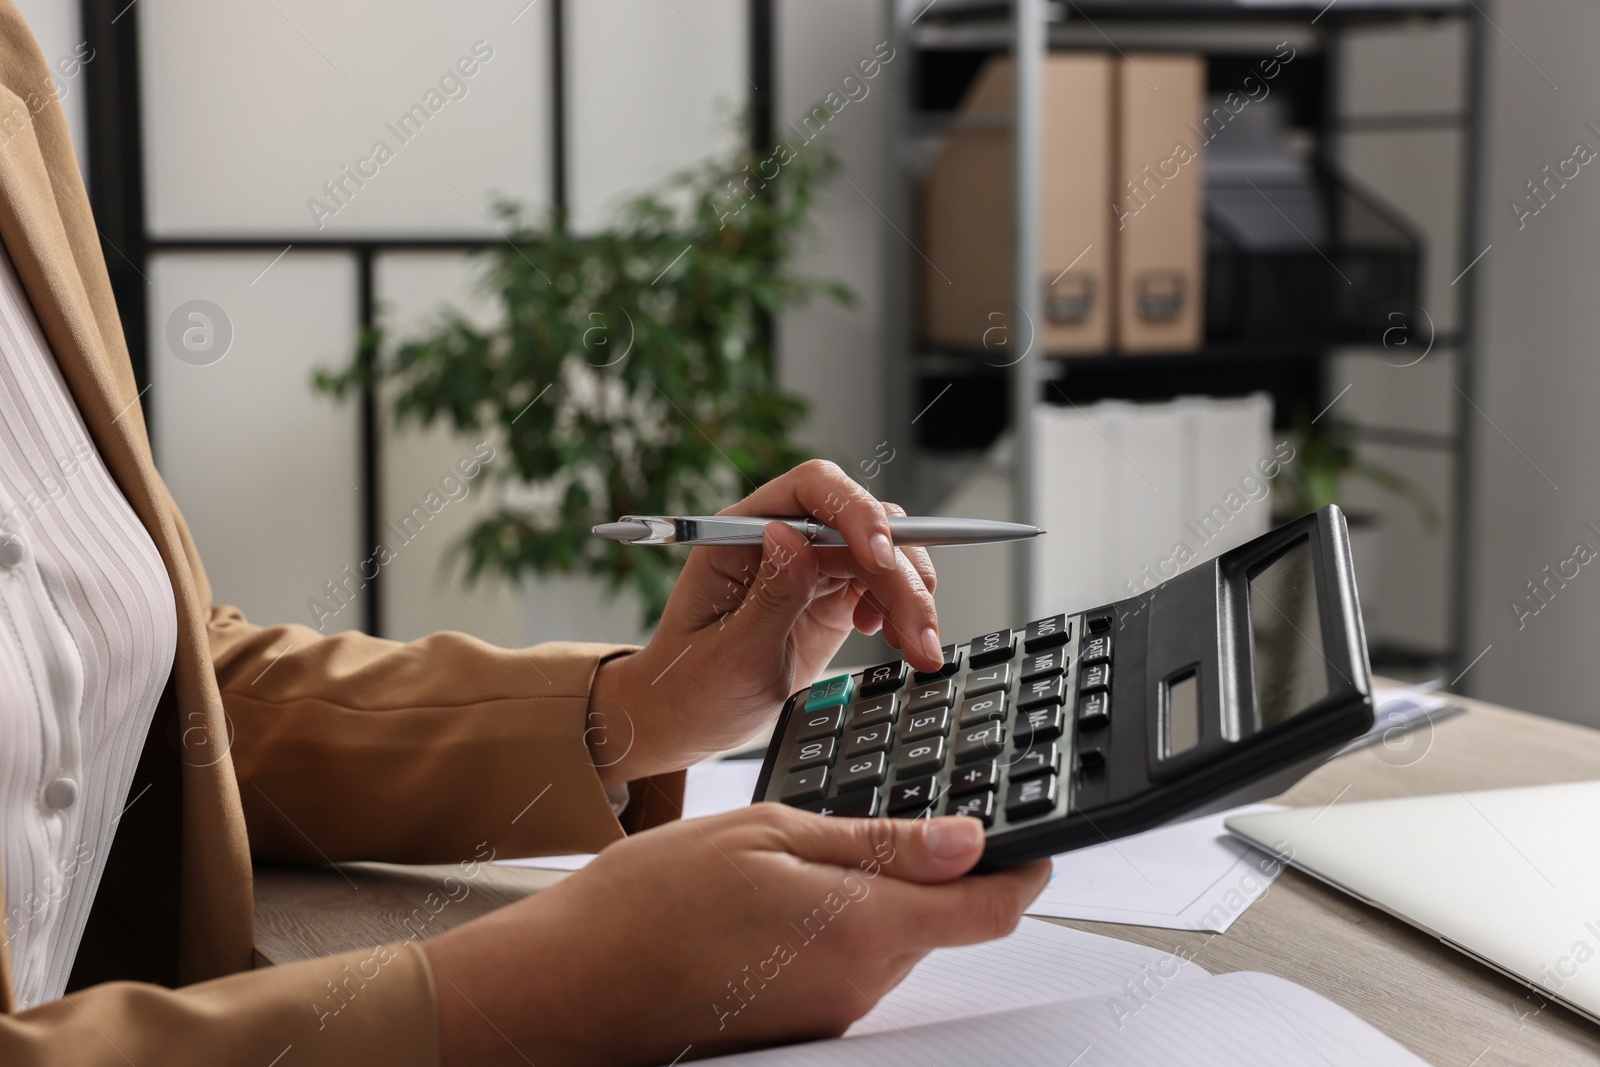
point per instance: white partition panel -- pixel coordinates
(423, 590)
(265, 471)
(394, 120)
(651, 89)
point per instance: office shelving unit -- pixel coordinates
(945, 43)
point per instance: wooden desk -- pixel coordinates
(1451, 1011)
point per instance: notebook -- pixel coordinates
(1049, 994)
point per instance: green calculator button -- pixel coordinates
(831, 692)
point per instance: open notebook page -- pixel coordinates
(1039, 963)
(1233, 1020)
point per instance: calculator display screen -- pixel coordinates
(1291, 670)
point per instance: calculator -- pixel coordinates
(1222, 685)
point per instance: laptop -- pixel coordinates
(1511, 877)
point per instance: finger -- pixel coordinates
(781, 590)
(963, 912)
(917, 555)
(921, 850)
(823, 491)
(867, 618)
(911, 621)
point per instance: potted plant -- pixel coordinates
(630, 370)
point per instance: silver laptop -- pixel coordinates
(1511, 877)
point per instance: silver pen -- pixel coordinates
(905, 530)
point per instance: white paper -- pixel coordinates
(1188, 876)
(712, 788)
(1038, 963)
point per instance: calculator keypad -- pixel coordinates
(993, 734)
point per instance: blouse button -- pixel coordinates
(11, 550)
(61, 793)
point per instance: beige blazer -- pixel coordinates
(272, 743)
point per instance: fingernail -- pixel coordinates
(882, 550)
(951, 837)
(930, 644)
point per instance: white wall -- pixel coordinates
(1536, 475)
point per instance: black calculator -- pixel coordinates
(1222, 685)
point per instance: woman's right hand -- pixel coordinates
(706, 936)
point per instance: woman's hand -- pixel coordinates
(746, 626)
(706, 936)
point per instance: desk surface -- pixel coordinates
(1448, 1009)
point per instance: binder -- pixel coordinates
(968, 219)
(1159, 202)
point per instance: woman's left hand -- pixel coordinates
(747, 625)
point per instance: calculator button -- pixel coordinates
(1031, 798)
(1096, 677)
(1099, 624)
(909, 796)
(992, 648)
(873, 739)
(952, 663)
(977, 709)
(870, 711)
(1040, 664)
(810, 753)
(1051, 689)
(1037, 760)
(815, 724)
(980, 742)
(1094, 710)
(802, 787)
(973, 777)
(935, 722)
(1047, 633)
(932, 695)
(869, 770)
(1095, 649)
(1091, 759)
(862, 804)
(979, 806)
(988, 679)
(1040, 724)
(831, 692)
(917, 758)
(884, 678)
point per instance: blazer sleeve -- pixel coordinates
(349, 747)
(368, 1006)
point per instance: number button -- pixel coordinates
(981, 742)
(918, 758)
(869, 770)
(811, 753)
(815, 724)
(935, 722)
(884, 678)
(1094, 710)
(874, 739)
(1040, 724)
(992, 648)
(1038, 759)
(831, 692)
(933, 695)
(1040, 664)
(952, 663)
(1095, 649)
(977, 709)
(908, 796)
(870, 711)
(979, 806)
(989, 679)
(802, 787)
(973, 777)
(1032, 798)
(1047, 633)
(1096, 677)
(1051, 689)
